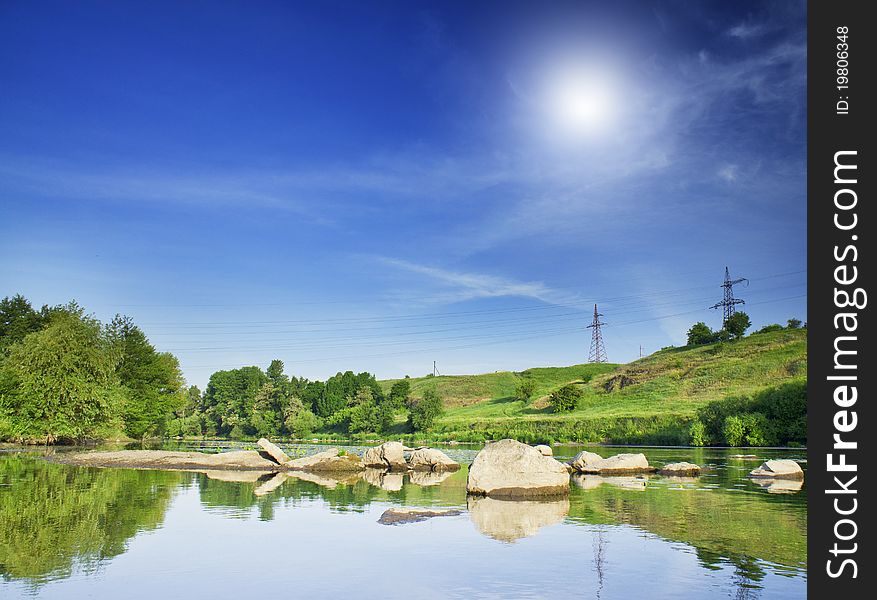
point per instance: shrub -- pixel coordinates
(700, 333)
(733, 430)
(769, 328)
(565, 399)
(697, 434)
(525, 390)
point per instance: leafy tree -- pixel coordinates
(302, 424)
(697, 434)
(423, 412)
(267, 418)
(229, 399)
(276, 376)
(364, 412)
(700, 333)
(794, 323)
(525, 390)
(17, 319)
(152, 381)
(737, 324)
(61, 382)
(566, 398)
(399, 393)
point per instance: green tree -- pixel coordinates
(399, 393)
(700, 333)
(229, 399)
(423, 412)
(525, 390)
(737, 324)
(565, 399)
(364, 412)
(794, 323)
(61, 382)
(153, 382)
(697, 434)
(17, 319)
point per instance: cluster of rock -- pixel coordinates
(619, 464)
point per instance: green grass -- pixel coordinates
(650, 400)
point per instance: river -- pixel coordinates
(81, 532)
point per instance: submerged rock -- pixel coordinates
(545, 450)
(681, 469)
(508, 468)
(509, 520)
(778, 469)
(273, 451)
(401, 516)
(430, 459)
(389, 455)
(619, 464)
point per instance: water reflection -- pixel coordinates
(57, 520)
(511, 520)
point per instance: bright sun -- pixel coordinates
(580, 103)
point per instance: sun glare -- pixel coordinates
(580, 103)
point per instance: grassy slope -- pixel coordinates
(670, 384)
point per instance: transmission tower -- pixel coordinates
(598, 351)
(729, 301)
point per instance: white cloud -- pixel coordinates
(729, 172)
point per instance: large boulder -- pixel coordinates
(273, 451)
(778, 469)
(508, 468)
(510, 520)
(430, 459)
(680, 469)
(389, 455)
(330, 460)
(242, 460)
(545, 450)
(619, 464)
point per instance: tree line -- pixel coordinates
(66, 377)
(250, 402)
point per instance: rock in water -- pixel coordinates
(273, 451)
(583, 459)
(508, 468)
(778, 469)
(619, 464)
(681, 469)
(429, 459)
(545, 450)
(389, 455)
(400, 516)
(330, 460)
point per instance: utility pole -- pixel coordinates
(729, 300)
(434, 369)
(598, 351)
(640, 350)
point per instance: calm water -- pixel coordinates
(69, 532)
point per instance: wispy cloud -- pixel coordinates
(745, 31)
(459, 286)
(728, 172)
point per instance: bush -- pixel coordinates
(697, 434)
(525, 390)
(565, 399)
(769, 328)
(733, 430)
(700, 333)
(794, 323)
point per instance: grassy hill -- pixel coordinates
(650, 400)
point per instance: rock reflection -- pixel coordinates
(238, 476)
(269, 485)
(428, 478)
(511, 520)
(590, 482)
(387, 481)
(780, 486)
(326, 480)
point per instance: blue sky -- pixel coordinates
(374, 186)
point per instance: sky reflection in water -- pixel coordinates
(77, 533)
